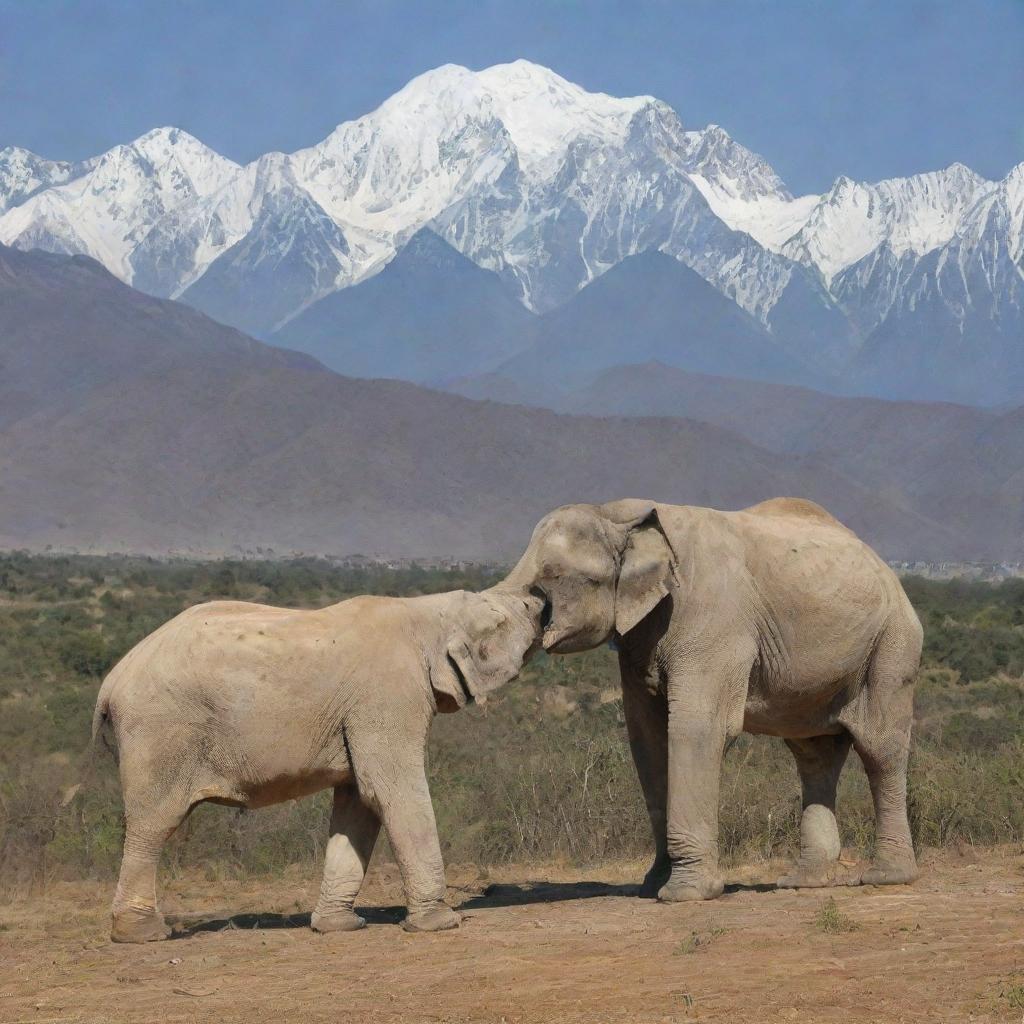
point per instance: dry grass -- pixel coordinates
(831, 920)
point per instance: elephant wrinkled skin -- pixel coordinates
(249, 705)
(775, 619)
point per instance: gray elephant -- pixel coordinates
(776, 619)
(248, 705)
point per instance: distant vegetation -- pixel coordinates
(542, 771)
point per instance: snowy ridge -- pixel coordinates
(915, 215)
(23, 174)
(106, 211)
(743, 190)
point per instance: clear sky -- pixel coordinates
(859, 87)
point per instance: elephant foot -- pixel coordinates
(436, 919)
(816, 875)
(133, 926)
(657, 876)
(688, 890)
(889, 873)
(338, 921)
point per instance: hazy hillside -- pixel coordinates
(648, 307)
(781, 417)
(959, 465)
(428, 316)
(137, 424)
(67, 327)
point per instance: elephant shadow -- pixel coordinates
(496, 895)
(526, 893)
(184, 926)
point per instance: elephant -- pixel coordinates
(775, 619)
(249, 705)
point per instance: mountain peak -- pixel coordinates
(544, 113)
(842, 185)
(203, 164)
(167, 133)
(24, 173)
(19, 153)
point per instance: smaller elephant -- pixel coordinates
(249, 705)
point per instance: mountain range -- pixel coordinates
(132, 423)
(455, 231)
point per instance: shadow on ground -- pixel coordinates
(556, 892)
(186, 925)
(498, 895)
(545, 892)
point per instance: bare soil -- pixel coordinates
(537, 944)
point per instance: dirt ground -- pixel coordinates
(537, 944)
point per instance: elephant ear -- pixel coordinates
(454, 677)
(480, 653)
(647, 574)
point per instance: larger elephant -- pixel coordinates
(775, 619)
(249, 705)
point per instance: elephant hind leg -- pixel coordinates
(354, 830)
(819, 761)
(881, 732)
(135, 914)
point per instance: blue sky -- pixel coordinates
(863, 88)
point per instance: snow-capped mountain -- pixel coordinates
(549, 186)
(743, 190)
(912, 215)
(23, 174)
(107, 210)
(955, 328)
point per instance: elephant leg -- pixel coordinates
(646, 714)
(392, 779)
(819, 761)
(884, 750)
(135, 915)
(354, 829)
(705, 710)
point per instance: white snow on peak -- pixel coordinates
(451, 130)
(391, 171)
(742, 188)
(523, 171)
(995, 223)
(171, 150)
(105, 211)
(544, 114)
(23, 173)
(1012, 187)
(915, 214)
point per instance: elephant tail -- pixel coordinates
(102, 731)
(102, 723)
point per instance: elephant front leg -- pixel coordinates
(646, 712)
(820, 762)
(354, 829)
(695, 751)
(392, 778)
(698, 726)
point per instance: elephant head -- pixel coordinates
(487, 639)
(601, 569)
